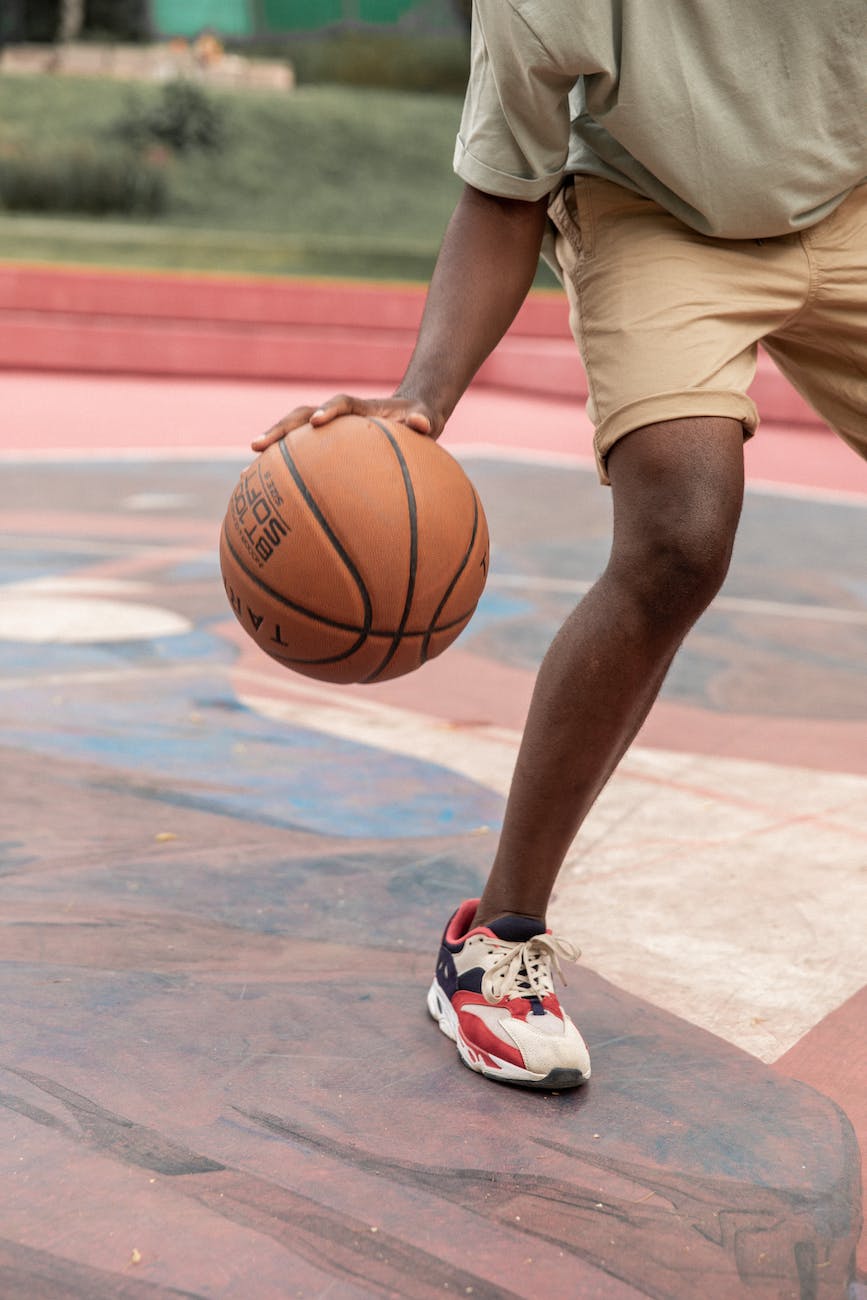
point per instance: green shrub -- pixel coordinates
(183, 118)
(376, 59)
(83, 181)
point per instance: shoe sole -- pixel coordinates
(485, 1063)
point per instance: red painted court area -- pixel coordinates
(224, 885)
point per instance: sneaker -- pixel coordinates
(493, 995)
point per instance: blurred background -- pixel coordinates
(287, 137)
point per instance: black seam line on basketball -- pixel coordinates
(422, 632)
(413, 548)
(329, 659)
(379, 632)
(371, 636)
(425, 646)
(311, 503)
(290, 604)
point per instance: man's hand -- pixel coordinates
(414, 414)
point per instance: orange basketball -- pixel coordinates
(354, 552)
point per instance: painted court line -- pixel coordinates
(11, 541)
(803, 492)
(573, 460)
(732, 604)
(98, 677)
(461, 451)
(109, 455)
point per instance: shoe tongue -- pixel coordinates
(516, 929)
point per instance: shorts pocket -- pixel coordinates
(572, 217)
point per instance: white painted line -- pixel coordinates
(110, 455)
(731, 604)
(45, 618)
(780, 609)
(804, 492)
(519, 455)
(98, 677)
(461, 451)
(86, 546)
(75, 585)
(157, 501)
(568, 460)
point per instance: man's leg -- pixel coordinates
(678, 489)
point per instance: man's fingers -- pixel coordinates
(413, 414)
(339, 405)
(294, 420)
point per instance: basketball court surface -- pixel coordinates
(224, 887)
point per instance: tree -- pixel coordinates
(71, 21)
(29, 20)
(122, 20)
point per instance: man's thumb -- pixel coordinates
(418, 421)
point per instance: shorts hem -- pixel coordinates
(692, 404)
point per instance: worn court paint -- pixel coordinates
(215, 1029)
(687, 882)
(225, 1050)
(201, 748)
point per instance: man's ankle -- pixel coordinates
(485, 916)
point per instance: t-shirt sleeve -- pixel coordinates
(514, 133)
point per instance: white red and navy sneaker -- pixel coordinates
(493, 994)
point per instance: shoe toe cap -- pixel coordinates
(544, 1051)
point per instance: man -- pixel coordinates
(700, 171)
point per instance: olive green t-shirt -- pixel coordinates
(744, 118)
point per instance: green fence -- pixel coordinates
(189, 17)
(292, 15)
(241, 18)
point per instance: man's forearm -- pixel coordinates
(485, 267)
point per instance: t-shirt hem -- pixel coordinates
(490, 181)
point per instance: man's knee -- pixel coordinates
(684, 562)
(678, 489)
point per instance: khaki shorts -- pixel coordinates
(668, 320)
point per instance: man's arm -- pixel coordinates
(485, 267)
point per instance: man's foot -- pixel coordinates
(493, 994)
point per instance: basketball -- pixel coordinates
(354, 552)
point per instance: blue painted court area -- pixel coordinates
(187, 742)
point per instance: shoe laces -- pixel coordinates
(524, 969)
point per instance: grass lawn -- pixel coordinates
(326, 180)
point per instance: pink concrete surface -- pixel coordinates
(115, 322)
(78, 414)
